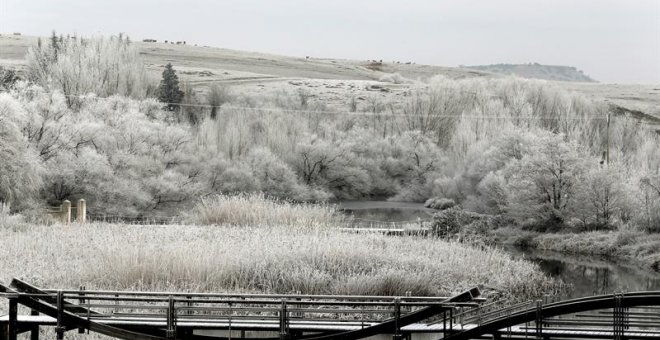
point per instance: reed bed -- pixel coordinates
(258, 259)
(255, 209)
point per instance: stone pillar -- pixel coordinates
(81, 211)
(66, 212)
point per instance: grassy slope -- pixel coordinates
(331, 81)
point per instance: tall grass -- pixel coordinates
(8, 219)
(257, 259)
(259, 210)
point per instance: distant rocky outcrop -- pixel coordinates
(537, 71)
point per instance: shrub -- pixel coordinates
(394, 78)
(452, 221)
(275, 178)
(440, 203)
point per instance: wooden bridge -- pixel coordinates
(160, 316)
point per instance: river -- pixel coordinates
(587, 275)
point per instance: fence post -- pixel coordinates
(81, 211)
(66, 212)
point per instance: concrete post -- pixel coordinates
(81, 211)
(66, 212)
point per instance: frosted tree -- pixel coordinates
(78, 67)
(542, 185)
(20, 170)
(602, 196)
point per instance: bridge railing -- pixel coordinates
(171, 310)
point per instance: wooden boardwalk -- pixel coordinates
(151, 316)
(154, 315)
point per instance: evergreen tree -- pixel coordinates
(168, 91)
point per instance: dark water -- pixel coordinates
(591, 275)
(587, 275)
(386, 212)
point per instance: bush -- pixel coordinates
(452, 221)
(394, 78)
(440, 203)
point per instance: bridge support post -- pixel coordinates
(397, 315)
(81, 301)
(59, 329)
(284, 322)
(444, 323)
(171, 323)
(34, 331)
(12, 326)
(619, 317)
(539, 320)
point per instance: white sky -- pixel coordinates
(615, 41)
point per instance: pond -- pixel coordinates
(588, 275)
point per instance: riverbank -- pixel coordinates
(589, 275)
(635, 246)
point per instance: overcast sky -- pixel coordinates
(615, 41)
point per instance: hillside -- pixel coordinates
(332, 81)
(537, 71)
